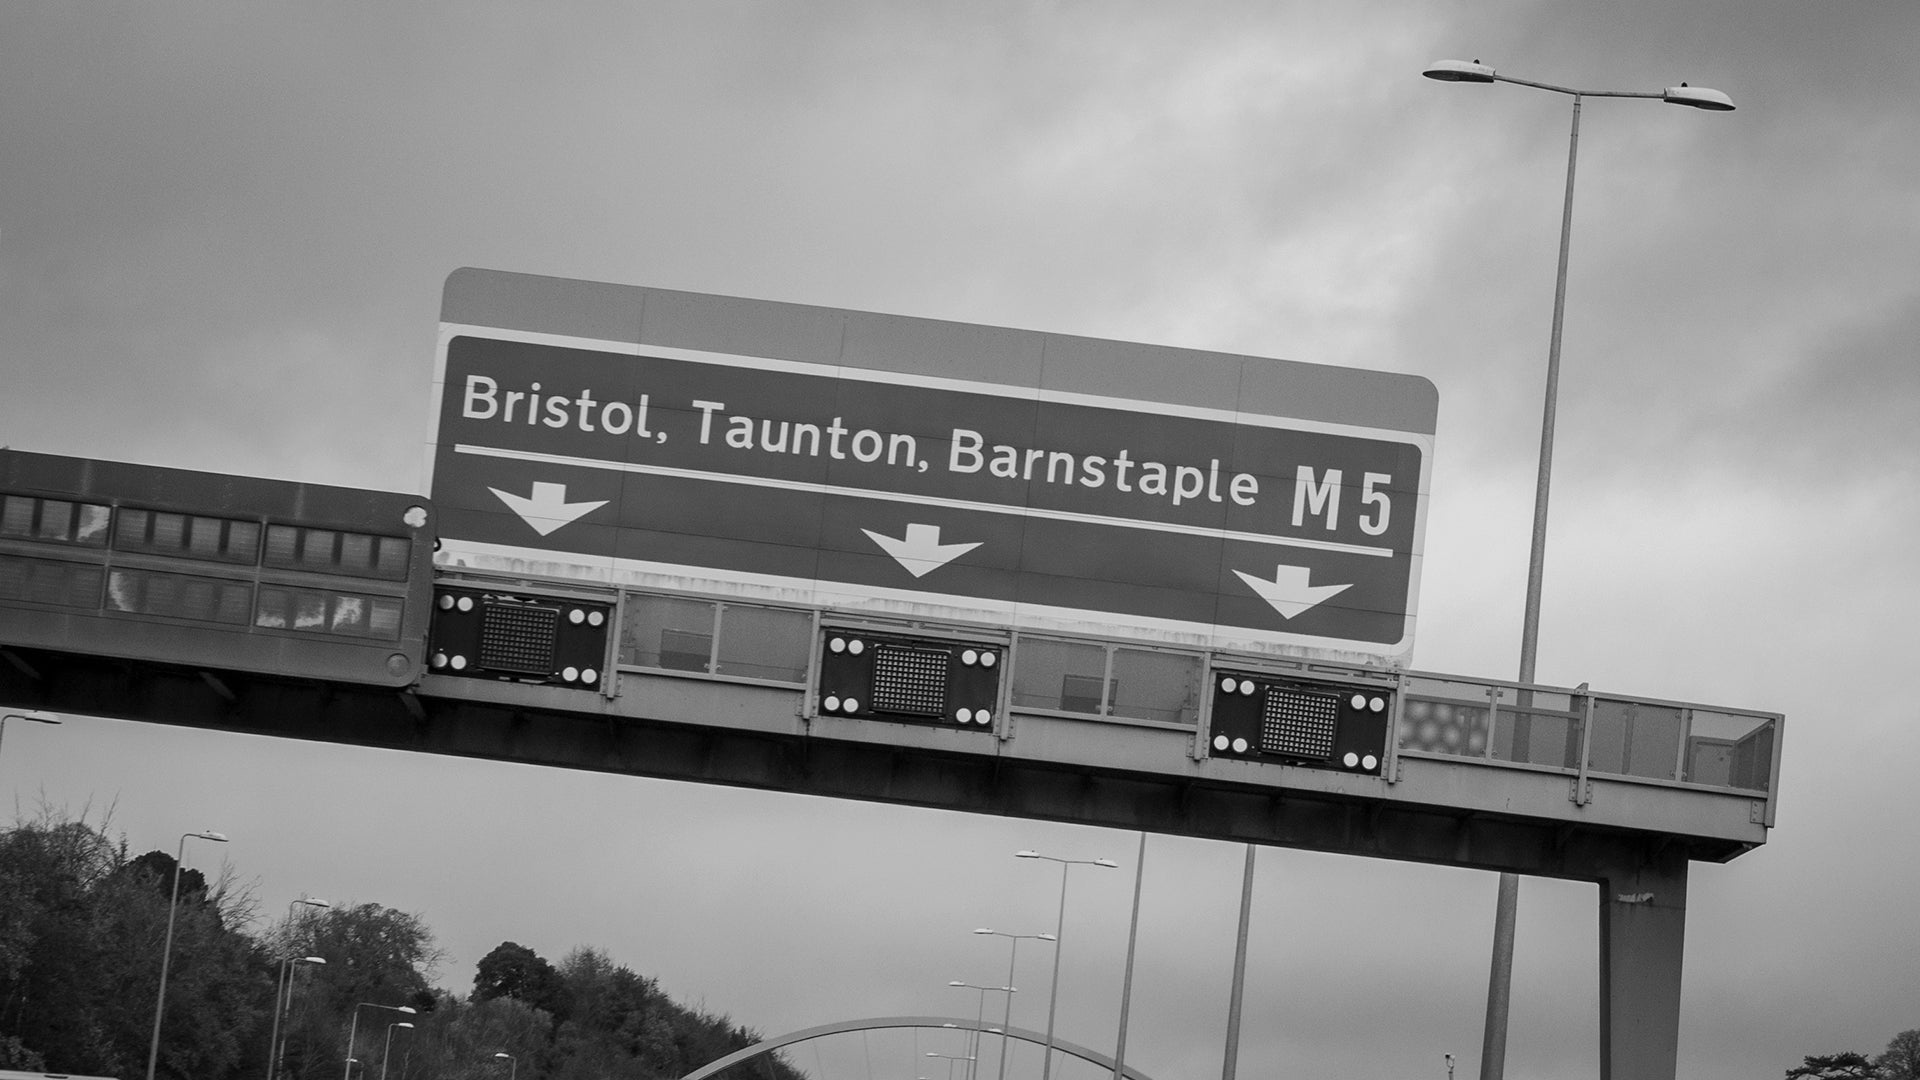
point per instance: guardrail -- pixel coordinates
(1496, 723)
(1585, 734)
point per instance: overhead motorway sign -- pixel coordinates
(913, 467)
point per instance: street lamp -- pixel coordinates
(951, 1058)
(387, 1050)
(166, 950)
(274, 1049)
(354, 1029)
(1499, 983)
(1013, 952)
(980, 1013)
(33, 716)
(1059, 930)
(513, 1064)
(1698, 97)
(285, 987)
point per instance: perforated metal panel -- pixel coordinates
(1297, 723)
(518, 637)
(910, 680)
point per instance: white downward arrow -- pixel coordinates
(1289, 592)
(548, 509)
(921, 552)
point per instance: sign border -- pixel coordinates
(905, 602)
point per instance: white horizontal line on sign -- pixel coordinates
(918, 500)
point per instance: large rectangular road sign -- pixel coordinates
(913, 467)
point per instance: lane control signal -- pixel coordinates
(914, 680)
(1322, 725)
(494, 634)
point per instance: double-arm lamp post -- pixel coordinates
(1013, 953)
(1499, 984)
(979, 1016)
(1059, 930)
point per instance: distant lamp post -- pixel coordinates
(166, 949)
(1013, 953)
(513, 1064)
(979, 1016)
(1059, 931)
(1499, 984)
(353, 1029)
(387, 1050)
(951, 1058)
(285, 988)
(38, 718)
(289, 967)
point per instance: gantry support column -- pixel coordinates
(1643, 917)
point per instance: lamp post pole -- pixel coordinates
(387, 1050)
(285, 987)
(1500, 975)
(289, 969)
(166, 950)
(1013, 953)
(1230, 1059)
(1126, 980)
(353, 1029)
(1059, 930)
(513, 1064)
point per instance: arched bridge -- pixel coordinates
(768, 1046)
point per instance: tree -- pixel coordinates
(463, 1036)
(80, 957)
(159, 866)
(82, 926)
(49, 999)
(15, 1055)
(1901, 1061)
(515, 971)
(1843, 1066)
(374, 954)
(616, 1026)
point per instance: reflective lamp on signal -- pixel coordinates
(1324, 725)
(522, 636)
(901, 678)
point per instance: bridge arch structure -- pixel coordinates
(769, 1045)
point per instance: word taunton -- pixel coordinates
(968, 451)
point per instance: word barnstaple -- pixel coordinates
(968, 451)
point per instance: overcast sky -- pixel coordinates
(223, 234)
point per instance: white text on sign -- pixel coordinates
(1316, 493)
